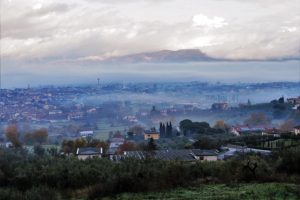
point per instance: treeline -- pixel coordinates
(165, 129)
(36, 137)
(267, 141)
(33, 176)
(189, 127)
(70, 146)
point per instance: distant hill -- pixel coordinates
(164, 56)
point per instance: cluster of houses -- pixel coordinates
(220, 106)
(244, 129)
(117, 140)
(186, 155)
(42, 104)
(263, 130)
(295, 102)
(180, 155)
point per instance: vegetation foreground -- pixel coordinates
(221, 191)
(25, 176)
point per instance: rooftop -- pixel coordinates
(88, 151)
(182, 154)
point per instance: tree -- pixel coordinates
(40, 135)
(202, 124)
(257, 119)
(193, 127)
(185, 124)
(130, 135)
(151, 146)
(254, 168)
(169, 129)
(206, 143)
(136, 130)
(53, 151)
(39, 150)
(249, 102)
(68, 146)
(289, 161)
(28, 138)
(162, 130)
(127, 146)
(11, 134)
(220, 124)
(287, 126)
(281, 100)
(99, 144)
(80, 142)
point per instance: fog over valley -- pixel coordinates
(22, 75)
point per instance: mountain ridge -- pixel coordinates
(163, 56)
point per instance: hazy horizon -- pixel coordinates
(227, 72)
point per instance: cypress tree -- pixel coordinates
(171, 129)
(163, 130)
(160, 129)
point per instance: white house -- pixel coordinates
(89, 152)
(85, 134)
(297, 130)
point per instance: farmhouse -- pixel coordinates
(245, 129)
(85, 134)
(294, 101)
(89, 152)
(220, 106)
(296, 130)
(272, 132)
(188, 155)
(152, 133)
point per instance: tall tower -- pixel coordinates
(98, 79)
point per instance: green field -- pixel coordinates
(214, 192)
(105, 127)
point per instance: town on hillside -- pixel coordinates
(76, 121)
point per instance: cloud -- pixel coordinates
(74, 29)
(214, 22)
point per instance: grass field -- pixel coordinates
(270, 191)
(105, 128)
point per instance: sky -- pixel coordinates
(49, 38)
